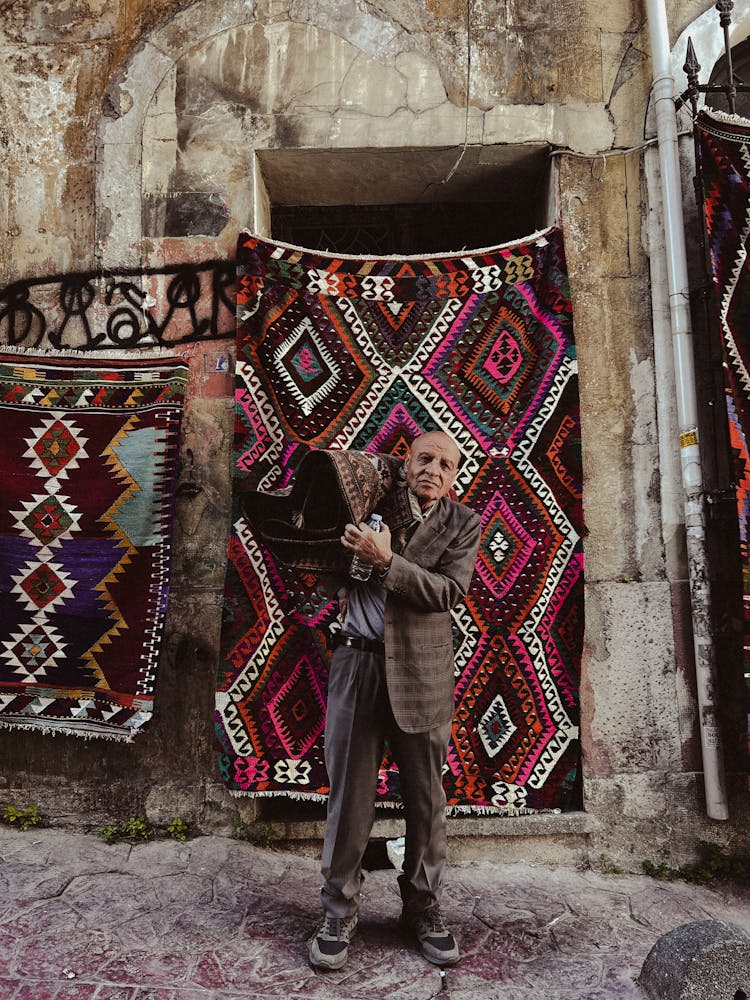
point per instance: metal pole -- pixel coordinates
(687, 412)
(725, 8)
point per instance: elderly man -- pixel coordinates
(391, 679)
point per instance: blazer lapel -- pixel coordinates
(427, 533)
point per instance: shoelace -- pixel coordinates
(433, 921)
(334, 927)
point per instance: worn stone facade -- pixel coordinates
(139, 134)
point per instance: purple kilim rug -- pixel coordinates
(88, 458)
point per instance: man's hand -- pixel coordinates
(372, 547)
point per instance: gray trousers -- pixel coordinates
(359, 720)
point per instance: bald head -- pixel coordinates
(431, 466)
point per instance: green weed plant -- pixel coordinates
(22, 819)
(713, 862)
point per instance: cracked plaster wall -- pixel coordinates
(116, 113)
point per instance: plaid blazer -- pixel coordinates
(430, 577)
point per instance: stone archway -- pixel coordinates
(119, 181)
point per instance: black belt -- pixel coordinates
(356, 642)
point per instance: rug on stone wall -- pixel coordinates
(338, 352)
(725, 167)
(88, 456)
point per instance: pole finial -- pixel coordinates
(692, 66)
(725, 8)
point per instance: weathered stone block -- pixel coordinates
(424, 86)
(203, 491)
(118, 191)
(706, 960)
(129, 94)
(179, 33)
(627, 693)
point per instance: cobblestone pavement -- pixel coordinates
(218, 919)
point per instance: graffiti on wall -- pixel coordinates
(126, 308)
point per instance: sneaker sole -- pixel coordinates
(325, 964)
(436, 958)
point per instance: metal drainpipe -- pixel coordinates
(687, 412)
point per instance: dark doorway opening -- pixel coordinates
(381, 202)
(386, 230)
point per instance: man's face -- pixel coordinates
(431, 466)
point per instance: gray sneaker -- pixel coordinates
(435, 940)
(329, 948)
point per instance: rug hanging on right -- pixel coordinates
(724, 142)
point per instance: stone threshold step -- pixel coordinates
(553, 825)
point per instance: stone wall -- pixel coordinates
(139, 134)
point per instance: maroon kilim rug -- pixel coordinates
(88, 458)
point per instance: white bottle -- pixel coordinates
(361, 570)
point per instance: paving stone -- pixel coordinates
(47, 954)
(413, 981)
(478, 975)
(19, 879)
(108, 899)
(273, 966)
(597, 934)
(160, 967)
(115, 993)
(36, 991)
(171, 888)
(7, 942)
(194, 927)
(588, 900)
(160, 858)
(76, 991)
(209, 854)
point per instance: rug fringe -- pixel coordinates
(499, 811)
(299, 796)
(467, 810)
(43, 726)
(98, 355)
(724, 116)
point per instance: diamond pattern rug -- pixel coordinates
(365, 354)
(88, 460)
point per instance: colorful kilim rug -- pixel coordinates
(725, 167)
(88, 458)
(340, 352)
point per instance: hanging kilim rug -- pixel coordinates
(725, 168)
(88, 456)
(361, 354)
